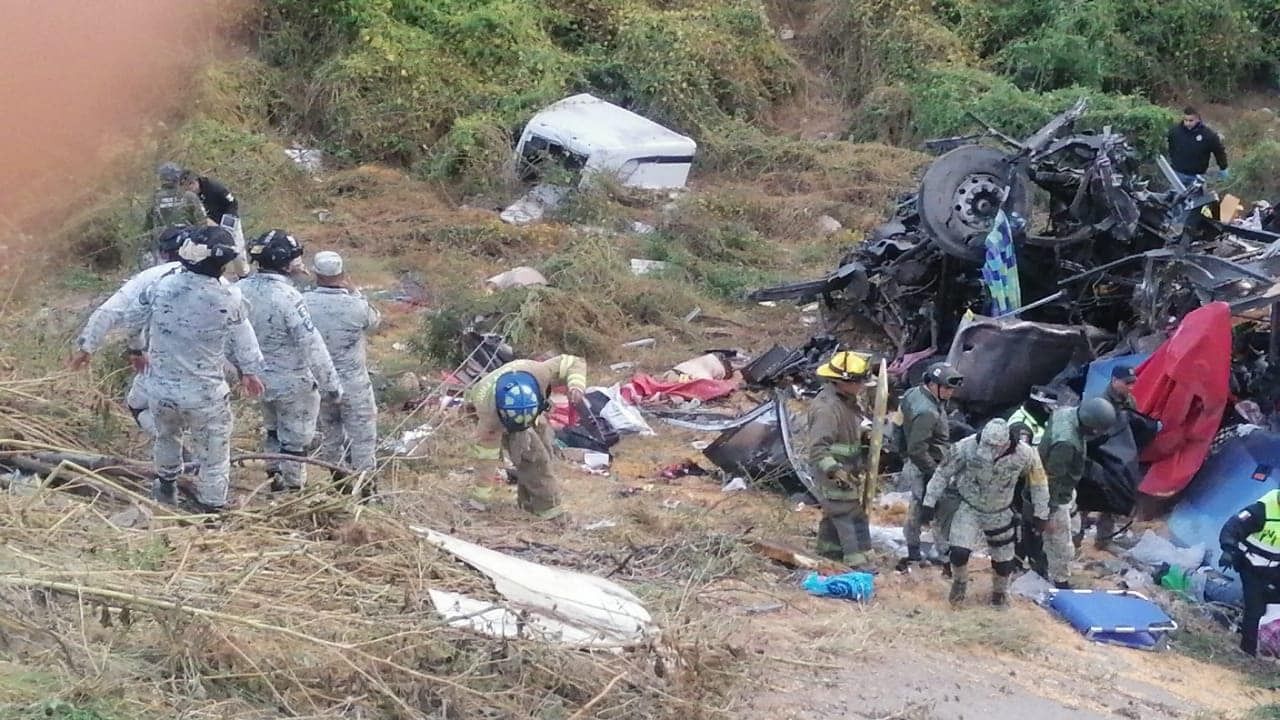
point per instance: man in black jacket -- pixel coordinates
(217, 199)
(1191, 142)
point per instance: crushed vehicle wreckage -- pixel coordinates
(1021, 262)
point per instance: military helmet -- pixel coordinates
(1096, 415)
(943, 375)
(275, 250)
(170, 173)
(519, 400)
(207, 251)
(848, 366)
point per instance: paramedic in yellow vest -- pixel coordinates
(1250, 542)
(509, 404)
(836, 425)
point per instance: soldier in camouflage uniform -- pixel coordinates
(112, 312)
(836, 425)
(298, 366)
(173, 205)
(192, 322)
(985, 470)
(349, 427)
(527, 441)
(927, 436)
(1062, 450)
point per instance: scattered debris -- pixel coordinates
(596, 461)
(640, 228)
(640, 266)
(859, 586)
(763, 609)
(670, 504)
(786, 33)
(310, 160)
(515, 278)
(688, 468)
(600, 525)
(412, 444)
(619, 367)
(1031, 586)
(711, 366)
(793, 558)
(135, 517)
(1153, 550)
(828, 226)
(322, 215)
(737, 484)
(693, 315)
(642, 343)
(534, 205)
(542, 602)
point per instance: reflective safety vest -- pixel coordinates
(1022, 416)
(1263, 547)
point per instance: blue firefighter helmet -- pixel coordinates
(519, 400)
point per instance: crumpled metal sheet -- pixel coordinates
(1002, 358)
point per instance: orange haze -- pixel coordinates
(77, 80)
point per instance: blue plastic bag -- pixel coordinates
(858, 586)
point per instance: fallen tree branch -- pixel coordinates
(281, 457)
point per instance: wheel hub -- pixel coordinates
(976, 201)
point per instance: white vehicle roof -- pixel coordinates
(585, 124)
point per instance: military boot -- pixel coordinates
(959, 585)
(1000, 592)
(913, 558)
(165, 491)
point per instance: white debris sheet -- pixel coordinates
(541, 602)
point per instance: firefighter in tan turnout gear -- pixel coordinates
(836, 426)
(509, 404)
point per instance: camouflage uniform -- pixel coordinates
(192, 324)
(111, 313)
(529, 450)
(296, 363)
(1063, 453)
(838, 460)
(350, 425)
(924, 424)
(171, 205)
(985, 517)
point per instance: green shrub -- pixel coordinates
(864, 44)
(692, 67)
(1148, 46)
(1256, 175)
(944, 98)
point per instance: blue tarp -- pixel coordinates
(1099, 375)
(1239, 472)
(1114, 616)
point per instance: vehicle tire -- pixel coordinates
(960, 195)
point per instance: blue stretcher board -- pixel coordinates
(1118, 617)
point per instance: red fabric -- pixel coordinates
(645, 389)
(1185, 385)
